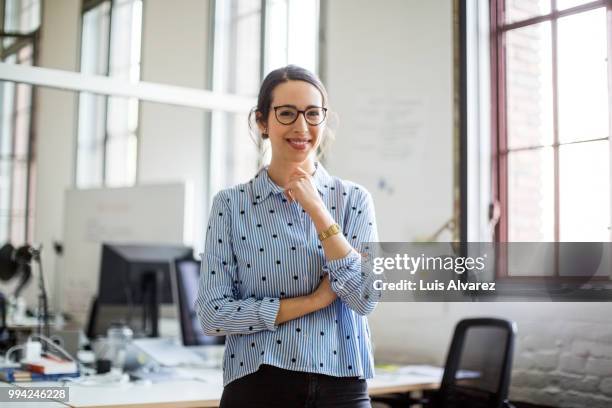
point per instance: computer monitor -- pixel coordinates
(186, 277)
(134, 281)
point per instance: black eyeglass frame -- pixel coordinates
(303, 112)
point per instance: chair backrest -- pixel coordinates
(478, 365)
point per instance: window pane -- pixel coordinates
(303, 37)
(91, 130)
(94, 48)
(529, 86)
(4, 227)
(22, 134)
(5, 199)
(6, 117)
(20, 16)
(117, 115)
(19, 183)
(235, 152)
(517, 10)
(531, 195)
(121, 161)
(23, 97)
(32, 198)
(276, 45)
(22, 120)
(237, 45)
(5, 186)
(247, 26)
(17, 236)
(585, 191)
(24, 55)
(110, 119)
(298, 45)
(583, 77)
(565, 4)
(121, 145)
(125, 40)
(90, 164)
(92, 108)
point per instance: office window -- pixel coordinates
(292, 34)
(552, 119)
(108, 126)
(20, 17)
(17, 154)
(251, 38)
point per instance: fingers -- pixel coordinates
(301, 171)
(295, 183)
(299, 185)
(297, 176)
(289, 195)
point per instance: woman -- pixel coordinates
(281, 276)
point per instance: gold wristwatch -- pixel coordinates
(332, 230)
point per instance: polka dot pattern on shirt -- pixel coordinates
(266, 248)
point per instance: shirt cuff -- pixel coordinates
(349, 260)
(268, 312)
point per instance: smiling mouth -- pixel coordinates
(299, 144)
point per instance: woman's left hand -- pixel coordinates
(301, 188)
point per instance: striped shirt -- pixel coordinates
(260, 248)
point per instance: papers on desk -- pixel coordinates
(42, 369)
(420, 370)
(424, 371)
(168, 353)
(17, 375)
(50, 365)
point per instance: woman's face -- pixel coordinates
(295, 142)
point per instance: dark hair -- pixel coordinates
(275, 78)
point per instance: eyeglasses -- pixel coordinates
(288, 114)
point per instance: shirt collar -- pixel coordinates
(263, 185)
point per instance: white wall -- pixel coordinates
(388, 69)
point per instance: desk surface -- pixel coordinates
(206, 386)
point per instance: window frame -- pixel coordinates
(217, 123)
(86, 6)
(23, 40)
(499, 126)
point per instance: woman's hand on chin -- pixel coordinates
(301, 188)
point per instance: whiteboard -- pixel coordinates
(151, 214)
(388, 67)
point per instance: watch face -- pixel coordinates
(332, 230)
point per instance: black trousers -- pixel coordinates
(275, 387)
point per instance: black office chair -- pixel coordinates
(477, 370)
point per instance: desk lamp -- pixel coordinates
(18, 261)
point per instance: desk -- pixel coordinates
(205, 390)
